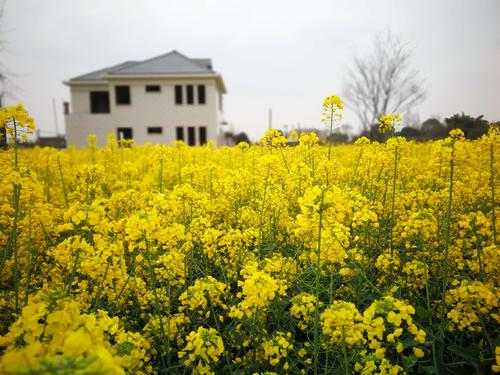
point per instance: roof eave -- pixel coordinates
(75, 82)
(220, 82)
(160, 75)
(221, 85)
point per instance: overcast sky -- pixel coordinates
(285, 55)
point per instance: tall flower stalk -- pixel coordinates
(493, 137)
(331, 115)
(18, 125)
(387, 125)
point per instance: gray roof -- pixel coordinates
(207, 63)
(169, 63)
(99, 75)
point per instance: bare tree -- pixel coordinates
(2, 73)
(8, 87)
(3, 81)
(383, 81)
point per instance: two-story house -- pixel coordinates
(159, 100)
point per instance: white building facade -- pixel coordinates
(160, 100)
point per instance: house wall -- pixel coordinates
(147, 109)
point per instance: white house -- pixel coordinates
(159, 100)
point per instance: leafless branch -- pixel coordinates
(383, 82)
(3, 76)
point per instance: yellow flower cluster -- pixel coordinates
(386, 329)
(204, 347)
(257, 292)
(370, 258)
(273, 139)
(52, 333)
(496, 366)
(416, 274)
(170, 267)
(341, 211)
(457, 134)
(387, 265)
(277, 348)
(226, 248)
(308, 140)
(262, 283)
(341, 322)
(388, 322)
(17, 121)
(389, 123)
(332, 110)
(372, 364)
(205, 295)
(303, 308)
(472, 303)
(174, 327)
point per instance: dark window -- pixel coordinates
(178, 94)
(155, 130)
(122, 94)
(153, 88)
(124, 133)
(190, 94)
(201, 94)
(99, 102)
(202, 135)
(179, 133)
(66, 108)
(191, 136)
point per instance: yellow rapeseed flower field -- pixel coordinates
(372, 258)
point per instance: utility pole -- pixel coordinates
(55, 116)
(3, 130)
(270, 126)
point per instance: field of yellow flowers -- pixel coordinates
(372, 258)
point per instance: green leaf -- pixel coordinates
(471, 355)
(409, 361)
(427, 369)
(125, 348)
(422, 313)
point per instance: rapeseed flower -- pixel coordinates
(389, 123)
(146, 258)
(203, 349)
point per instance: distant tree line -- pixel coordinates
(432, 128)
(231, 138)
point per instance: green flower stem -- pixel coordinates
(157, 306)
(393, 198)
(284, 160)
(448, 221)
(261, 215)
(16, 203)
(62, 183)
(317, 333)
(101, 287)
(492, 183)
